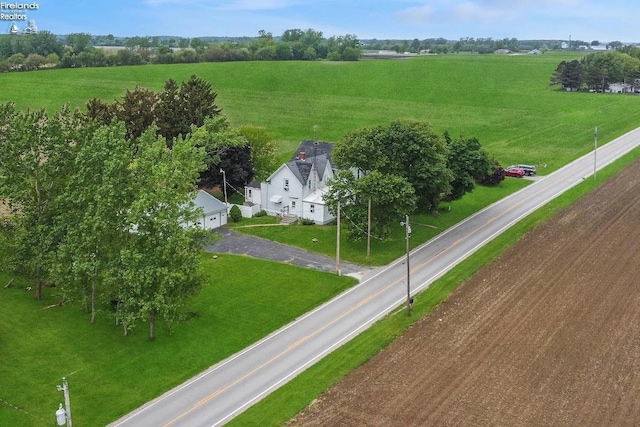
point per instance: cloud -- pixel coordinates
(162, 2)
(255, 4)
(485, 14)
(226, 5)
(416, 15)
(532, 4)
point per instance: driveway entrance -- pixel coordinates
(233, 242)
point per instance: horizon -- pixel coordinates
(562, 20)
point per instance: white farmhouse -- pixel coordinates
(296, 188)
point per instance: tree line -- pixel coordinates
(481, 45)
(101, 198)
(596, 71)
(25, 52)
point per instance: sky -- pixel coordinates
(586, 20)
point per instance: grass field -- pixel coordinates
(505, 101)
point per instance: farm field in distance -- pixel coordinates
(504, 101)
(547, 334)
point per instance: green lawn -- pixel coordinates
(322, 239)
(110, 375)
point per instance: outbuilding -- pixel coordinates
(214, 212)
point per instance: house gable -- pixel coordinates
(310, 155)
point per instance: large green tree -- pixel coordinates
(263, 151)
(181, 108)
(159, 267)
(602, 69)
(226, 149)
(405, 148)
(137, 111)
(36, 152)
(93, 216)
(391, 198)
(468, 163)
(171, 123)
(568, 74)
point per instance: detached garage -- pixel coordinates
(215, 211)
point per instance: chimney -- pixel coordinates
(303, 155)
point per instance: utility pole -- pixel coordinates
(65, 389)
(224, 185)
(338, 242)
(369, 230)
(595, 150)
(407, 228)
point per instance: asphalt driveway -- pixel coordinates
(233, 242)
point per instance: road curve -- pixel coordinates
(231, 386)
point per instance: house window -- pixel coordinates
(309, 184)
(286, 184)
(312, 208)
(293, 204)
(250, 195)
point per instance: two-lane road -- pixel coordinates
(228, 388)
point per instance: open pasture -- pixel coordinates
(505, 101)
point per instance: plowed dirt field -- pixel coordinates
(546, 335)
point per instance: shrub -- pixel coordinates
(261, 213)
(307, 221)
(494, 178)
(235, 213)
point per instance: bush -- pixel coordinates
(235, 213)
(307, 221)
(261, 213)
(494, 178)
